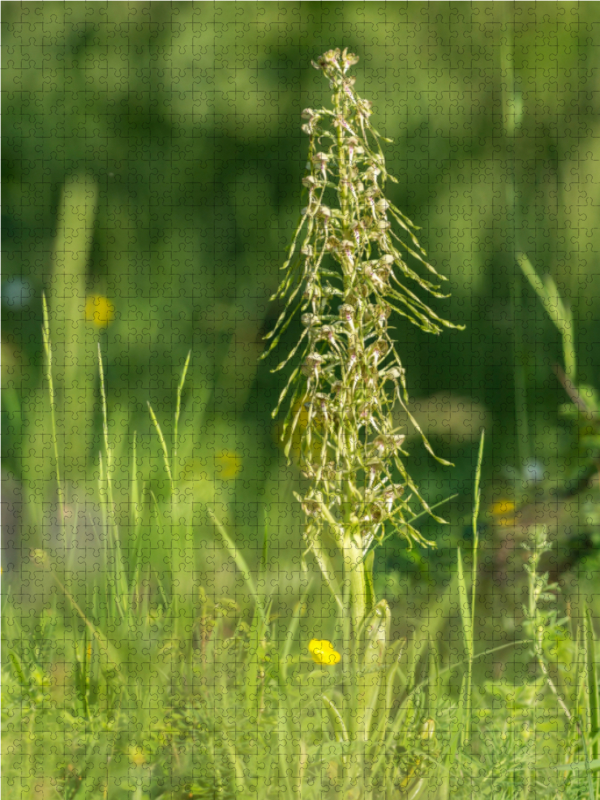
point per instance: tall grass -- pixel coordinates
(150, 654)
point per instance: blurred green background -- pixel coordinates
(185, 118)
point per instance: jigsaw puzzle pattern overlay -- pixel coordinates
(371, 572)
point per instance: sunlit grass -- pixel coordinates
(158, 682)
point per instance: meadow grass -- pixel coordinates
(149, 652)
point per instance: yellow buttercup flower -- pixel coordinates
(136, 756)
(99, 310)
(227, 464)
(504, 511)
(323, 652)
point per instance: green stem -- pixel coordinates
(353, 559)
(343, 178)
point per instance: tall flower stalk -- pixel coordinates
(346, 272)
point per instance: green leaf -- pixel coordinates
(340, 730)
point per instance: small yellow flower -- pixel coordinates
(99, 310)
(136, 756)
(504, 511)
(227, 464)
(323, 652)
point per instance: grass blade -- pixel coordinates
(178, 404)
(52, 396)
(163, 445)
(592, 684)
(240, 562)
